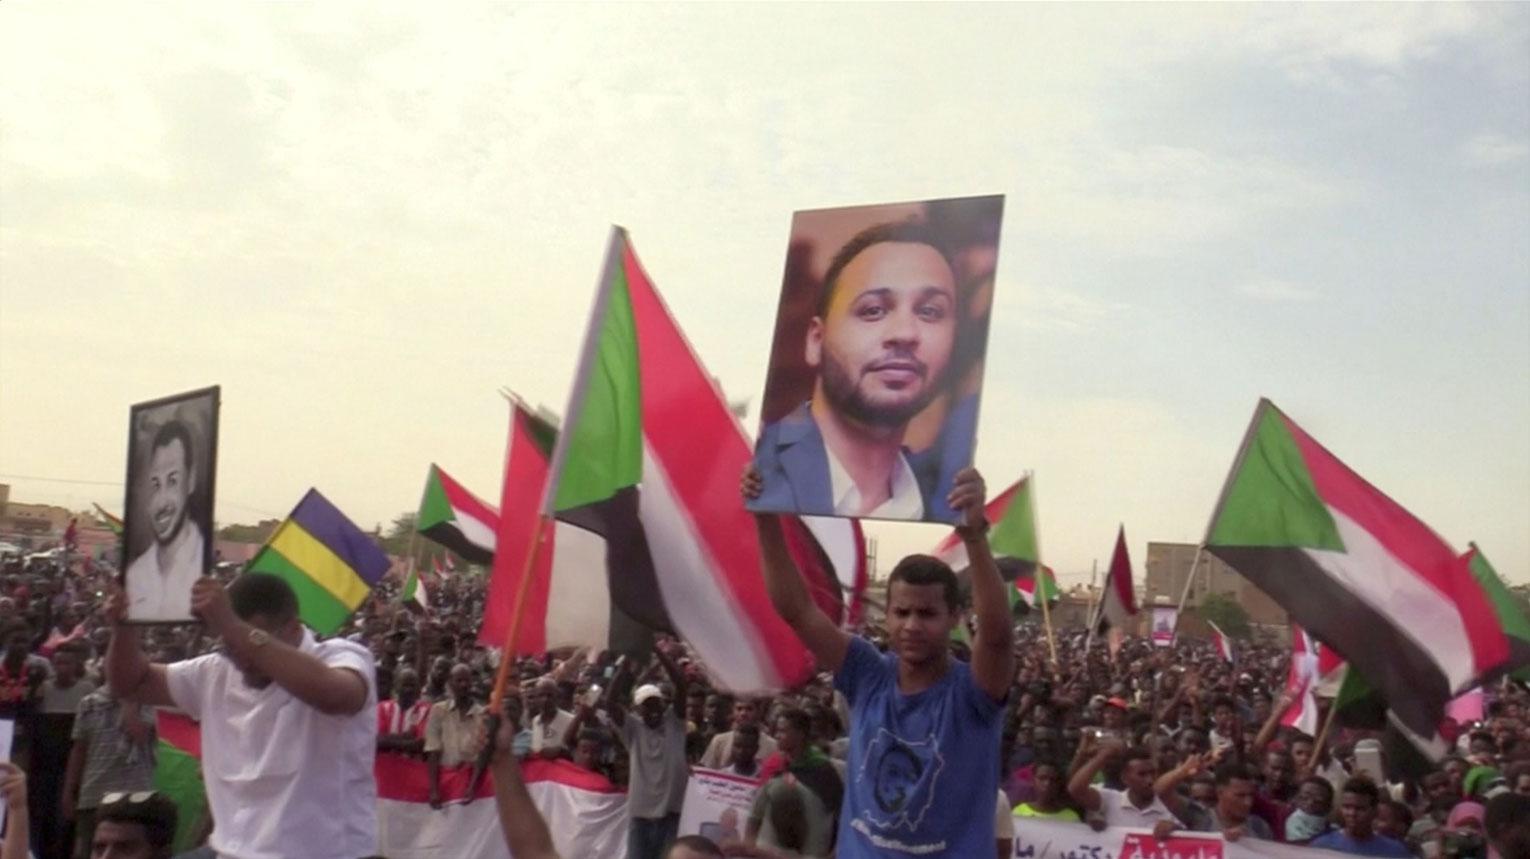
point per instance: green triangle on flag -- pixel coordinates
(1014, 529)
(1270, 499)
(604, 421)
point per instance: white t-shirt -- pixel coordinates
(549, 734)
(283, 779)
(164, 593)
(1119, 811)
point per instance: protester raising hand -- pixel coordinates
(526, 833)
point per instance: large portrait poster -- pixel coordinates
(871, 401)
(168, 510)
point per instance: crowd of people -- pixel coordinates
(1171, 739)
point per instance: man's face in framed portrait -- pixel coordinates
(170, 481)
(882, 345)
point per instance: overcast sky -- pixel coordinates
(362, 222)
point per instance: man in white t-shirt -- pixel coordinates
(288, 724)
(1137, 806)
(548, 724)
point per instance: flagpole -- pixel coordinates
(1317, 744)
(1046, 614)
(1184, 595)
(507, 658)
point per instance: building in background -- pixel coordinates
(1169, 565)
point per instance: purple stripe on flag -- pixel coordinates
(329, 526)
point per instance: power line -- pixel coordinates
(60, 480)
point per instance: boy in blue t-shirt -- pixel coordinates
(924, 728)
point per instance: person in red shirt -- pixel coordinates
(401, 719)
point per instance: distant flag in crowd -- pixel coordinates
(1356, 569)
(1118, 604)
(331, 564)
(113, 523)
(1012, 536)
(448, 564)
(435, 567)
(455, 518)
(178, 775)
(1044, 581)
(1221, 642)
(415, 594)
(642, 487)
(1361, 706)
(1301, 680)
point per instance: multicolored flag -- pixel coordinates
(415, 594)
(1118, 604)
(1301, 679)
(1044, 581)
(455, 518)
(331, 564)
(585, 813)
(642, 497)
(1221, 642)
(112, 522)
(178, 775)
(1356, 569)
(1013, 534)
(1515, 626)
(1012, 538)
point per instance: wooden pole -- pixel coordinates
(517, 612)
(1322, 737)
(1046, 613)
(506, 659)
(1184, 595)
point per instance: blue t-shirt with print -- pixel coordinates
(918, 764)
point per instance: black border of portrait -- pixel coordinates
(128, 508)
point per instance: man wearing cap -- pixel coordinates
(654, 734)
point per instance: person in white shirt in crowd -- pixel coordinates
(545, 720)
(289, 724)
(1137, 806)
(719, 753)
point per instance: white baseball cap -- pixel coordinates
(644, 693)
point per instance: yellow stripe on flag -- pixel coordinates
(305, 552)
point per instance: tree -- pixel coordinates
(1226, 613)
(257, 533)
(400, 540)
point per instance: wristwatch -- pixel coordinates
(258, 637)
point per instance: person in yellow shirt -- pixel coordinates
(1050, 803)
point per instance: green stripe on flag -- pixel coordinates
(1270, 499)
(317, 607)
(605, 436)
(1014, 535)
(178, 776)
